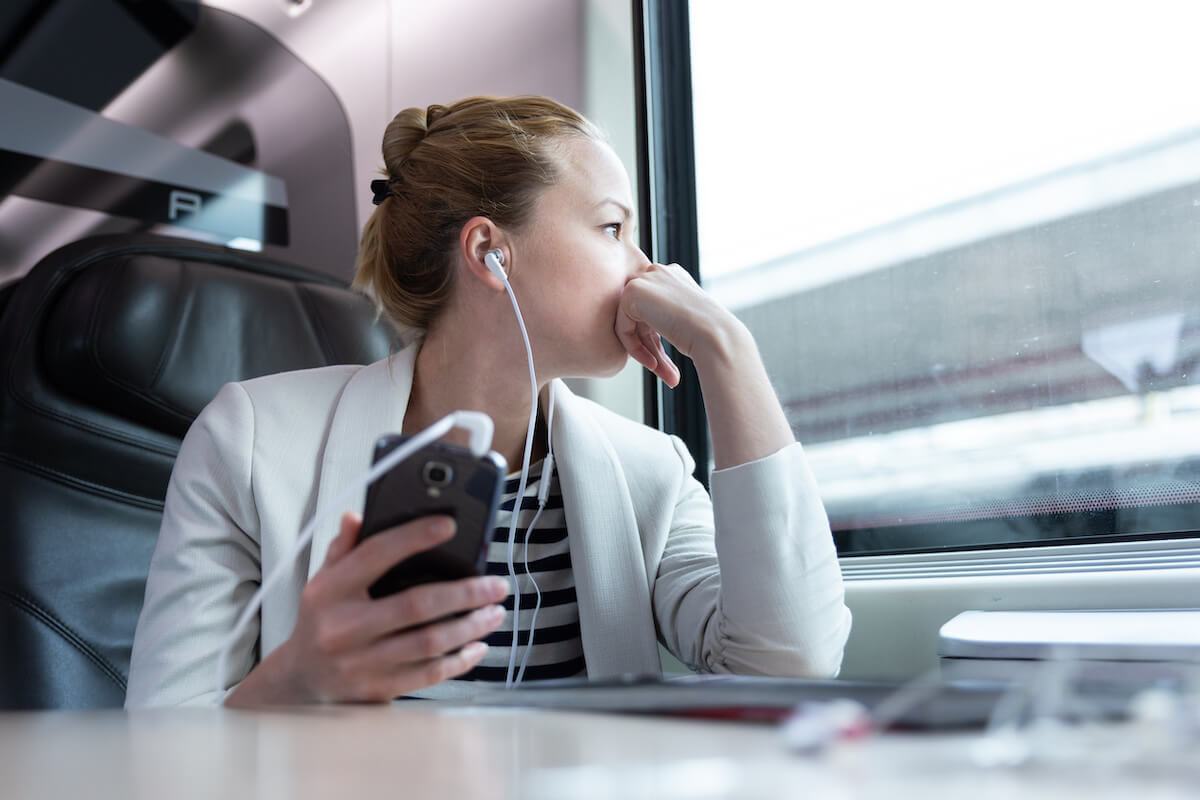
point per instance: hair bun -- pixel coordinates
(406, 130)
(432, 114)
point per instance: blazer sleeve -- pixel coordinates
(205, 567)
(749, 581)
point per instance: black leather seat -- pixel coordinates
(109, 348)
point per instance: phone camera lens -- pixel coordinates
(437, 473)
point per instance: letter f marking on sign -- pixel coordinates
(181, 202)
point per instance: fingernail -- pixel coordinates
(442, 526)
(497, 584)
(474, 650)
(490, 615)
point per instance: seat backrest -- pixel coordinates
(109, 348)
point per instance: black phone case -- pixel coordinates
(414, 488)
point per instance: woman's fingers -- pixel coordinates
(631, 340)
(640, 339)
(437, 639)
(664, 301)
(385, 685)
(354, 572)
(645, 346)
(348, 646)
(663, 367)
(347, 535)
(433, 601)
(424, 604)
(420, 657)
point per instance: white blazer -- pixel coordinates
(756, 590)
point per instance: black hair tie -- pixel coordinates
(382, 190)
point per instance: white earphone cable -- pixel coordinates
(543, 496)
(512, 525)
(481, 428)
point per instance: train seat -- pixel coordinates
(109, 347)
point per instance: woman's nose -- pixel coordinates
(640, 259)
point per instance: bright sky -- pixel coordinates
(816, 119)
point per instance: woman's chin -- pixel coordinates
(605, 368)
(617, 364)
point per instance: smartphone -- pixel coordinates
(439, 478)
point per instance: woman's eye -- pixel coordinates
(613, 229)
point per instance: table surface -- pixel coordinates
(425, 749)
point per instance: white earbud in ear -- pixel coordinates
(495, 263)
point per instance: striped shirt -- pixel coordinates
(557, 644)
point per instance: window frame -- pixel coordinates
(667, 195)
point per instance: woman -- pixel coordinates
(638, 538)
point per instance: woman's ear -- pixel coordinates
(478, 236)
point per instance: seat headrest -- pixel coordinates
(153, 338)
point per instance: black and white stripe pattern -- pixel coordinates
(557, 646)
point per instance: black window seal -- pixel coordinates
(666, 163)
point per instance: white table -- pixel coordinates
(430, 750)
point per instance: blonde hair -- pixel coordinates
(482, 156)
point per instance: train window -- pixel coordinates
(966, 239)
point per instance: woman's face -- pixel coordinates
(572, 260)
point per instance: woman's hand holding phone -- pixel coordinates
(348, 647)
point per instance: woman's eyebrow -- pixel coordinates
(626, 210)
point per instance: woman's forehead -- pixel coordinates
(591, 171)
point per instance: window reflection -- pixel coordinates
(967, 243)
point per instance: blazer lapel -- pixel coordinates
(606, 554)
(372, 404)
